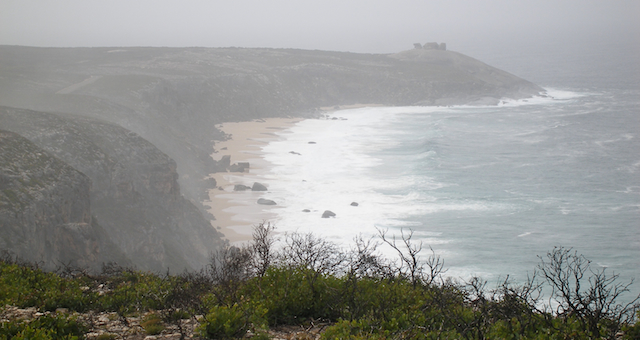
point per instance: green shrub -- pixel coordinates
(152, 324)
(25, 286)
(106, 336)
(132, 291)
(633, 331)
(261, 336)
(224, 323)
(352, 330)
(179, 315)
(290, 298)
(45, 327)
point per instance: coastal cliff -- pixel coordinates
(174, 97)
(140, 123)
(45, 210)
(133, 192)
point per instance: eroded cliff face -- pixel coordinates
(45, 210)
(134, 195)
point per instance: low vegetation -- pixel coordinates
(356, 294)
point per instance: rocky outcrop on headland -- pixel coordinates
(134, 193)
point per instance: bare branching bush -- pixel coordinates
(228, 268)
(435, 268)
(68, 270)
(411, 266)
(184, 298)
(567, 273)
(366, 262)
(519, 302)
(313, 253)
(9, 257)
(187, 289)
(316, 257)
(262, 246)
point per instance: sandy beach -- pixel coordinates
(236, 212)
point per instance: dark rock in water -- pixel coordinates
(306, 210)
(312, 143)
(354, 204)
(294, 153)
(258, 187)
(264, 201)
(241, 187)
(328, 213)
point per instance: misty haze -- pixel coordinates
(486, 141)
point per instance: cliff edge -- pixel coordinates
(124, 183)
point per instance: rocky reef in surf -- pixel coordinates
(138, 121)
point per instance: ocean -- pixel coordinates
(488, 188)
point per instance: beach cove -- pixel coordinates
(489, 188)
(237, 211)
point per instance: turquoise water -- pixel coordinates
(488, 188)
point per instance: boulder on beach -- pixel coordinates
(264, 201)
(225, 161)
(235, 168)
(241, 187)
(306, 210)
(328, 213)
(258, 187)
(354, 204)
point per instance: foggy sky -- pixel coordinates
(371, 26)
